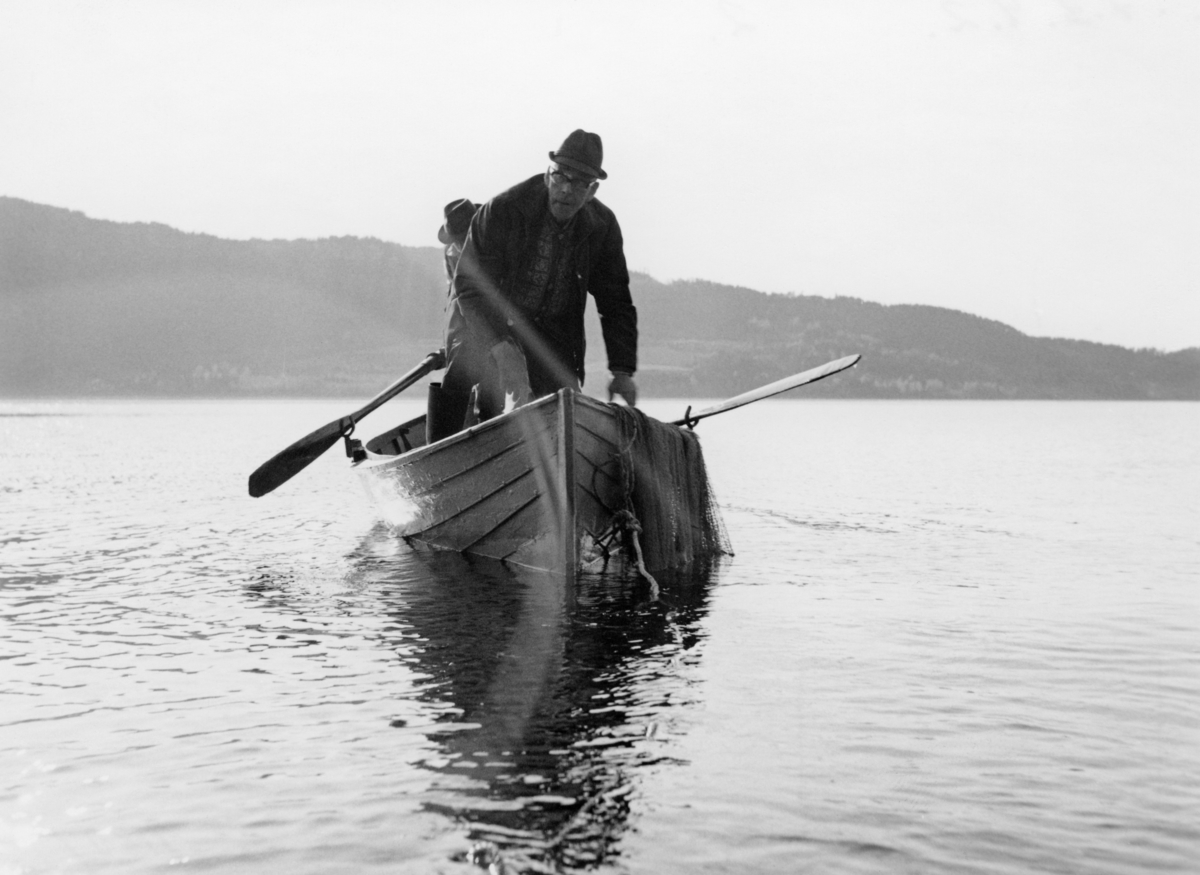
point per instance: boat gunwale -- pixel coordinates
(374, 460)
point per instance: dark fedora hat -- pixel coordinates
(458, 219)
(583, 152)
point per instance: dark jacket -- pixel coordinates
(481, 308)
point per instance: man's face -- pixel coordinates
(569, 191)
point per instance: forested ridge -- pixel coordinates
(90, 306)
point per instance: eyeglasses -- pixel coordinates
(561, 178)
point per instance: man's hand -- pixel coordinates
(622, 384)
(513, 372)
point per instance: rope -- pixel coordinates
(625, 520)
(641, 565)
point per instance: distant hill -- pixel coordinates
(98, 307)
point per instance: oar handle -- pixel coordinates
(435, 361)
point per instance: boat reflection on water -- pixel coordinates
(550, 696)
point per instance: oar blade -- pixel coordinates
(802, 379)
(286, 464)
(283, 466)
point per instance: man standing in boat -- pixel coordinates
(517, 301)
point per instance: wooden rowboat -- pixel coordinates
(564, 483)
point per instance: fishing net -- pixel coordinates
(666, 487)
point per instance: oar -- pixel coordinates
(285, 465)
(804, 377)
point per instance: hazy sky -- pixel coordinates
(1032, 162)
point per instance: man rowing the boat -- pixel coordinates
(517, 301)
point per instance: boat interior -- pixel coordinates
(404, 437)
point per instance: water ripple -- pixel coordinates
(915, 663)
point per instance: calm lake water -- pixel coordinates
(956, 637)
